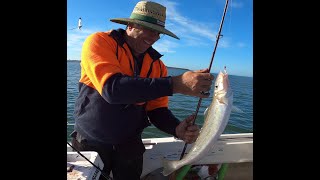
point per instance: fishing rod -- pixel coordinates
(102, 173)
(214, 51)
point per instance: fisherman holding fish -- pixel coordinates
(124, 87)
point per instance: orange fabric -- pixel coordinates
(163, 101)
(99, 62)
(98, 57)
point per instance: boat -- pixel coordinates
(232, 154)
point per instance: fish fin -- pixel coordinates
(236, 109)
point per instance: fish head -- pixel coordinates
(222, 87)
(222, 82)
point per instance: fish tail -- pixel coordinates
(169, 167)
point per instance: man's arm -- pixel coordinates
(121, 89)
(164, 120)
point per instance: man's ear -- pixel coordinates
(129, 26)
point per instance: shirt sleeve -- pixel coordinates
(98, 60)
(164, 120)
(122, 89)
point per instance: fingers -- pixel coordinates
(192, 129)
(202, 70)
(191, 134)
(205, 76)
(193, 83)
(204, 85)
(189, 119)
(187, 130)
(187, 122)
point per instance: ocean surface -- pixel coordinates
(181, 105)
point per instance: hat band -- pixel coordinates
(147, 19)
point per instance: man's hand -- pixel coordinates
(187, 131)
(193, 83)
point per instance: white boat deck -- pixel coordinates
(230, 149)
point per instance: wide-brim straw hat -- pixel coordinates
(148, 14)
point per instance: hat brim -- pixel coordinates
(154, 27)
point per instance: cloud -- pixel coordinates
(224, 43)
(182, 24)
(236, 4)
(165, 46)
(191, 32)
(241, 44)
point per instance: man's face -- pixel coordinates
(141, 38)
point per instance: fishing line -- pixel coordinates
(230, 14)
(214, 51)
(102, 173)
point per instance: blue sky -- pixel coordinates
(196, 23)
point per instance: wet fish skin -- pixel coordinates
(216, 119)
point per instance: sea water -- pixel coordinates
(181, 105)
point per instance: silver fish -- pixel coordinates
(216, 120)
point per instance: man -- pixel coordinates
(124, 86)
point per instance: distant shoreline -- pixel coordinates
(167, 66)
(215, 73)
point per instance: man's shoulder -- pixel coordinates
(112, 34)
(98, 36)
(104, 34)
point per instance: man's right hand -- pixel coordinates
(193, 83)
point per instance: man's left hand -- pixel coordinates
(188, 131)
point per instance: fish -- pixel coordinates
(216, 119)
